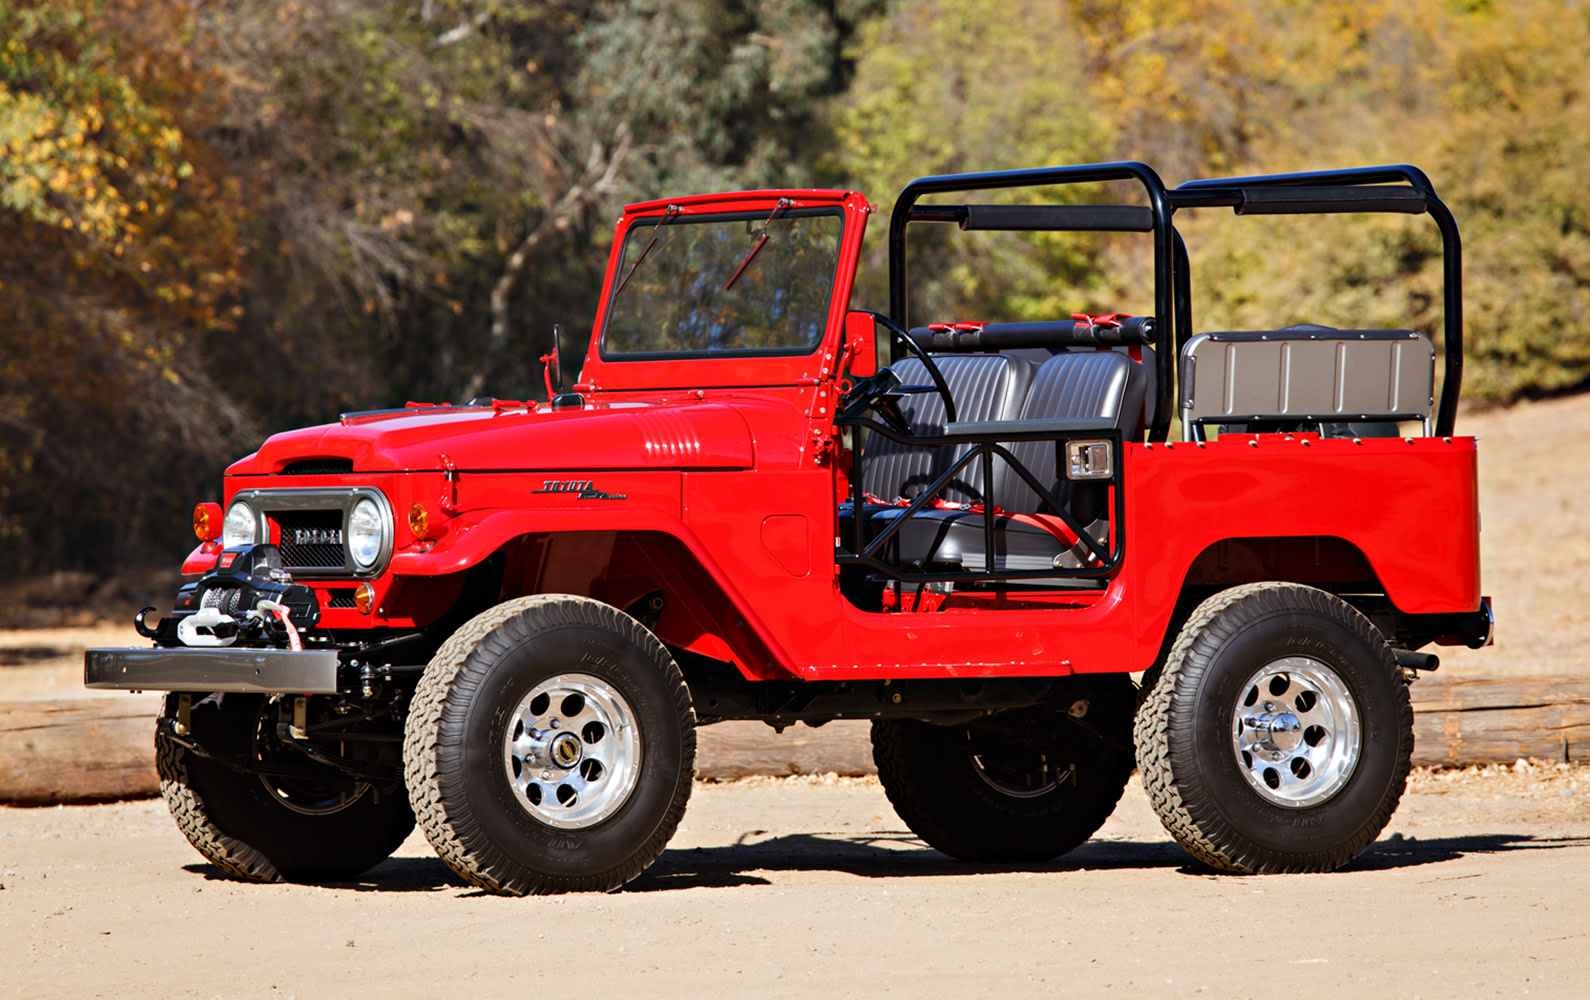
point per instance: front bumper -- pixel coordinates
(259, 671)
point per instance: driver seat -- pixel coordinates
(984, 387)
(1104, 385)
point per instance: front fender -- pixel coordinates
(499, 507)
(473, 536)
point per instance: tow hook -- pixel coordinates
(138, 623)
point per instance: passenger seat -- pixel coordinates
(1105, 385)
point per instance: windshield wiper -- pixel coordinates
(668, 213)
(761, 238)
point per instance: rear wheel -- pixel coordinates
(1022, 786)
(550, 747)
(312, 823)
(1279, 735)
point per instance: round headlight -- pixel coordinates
(364, 533)
(241, 527)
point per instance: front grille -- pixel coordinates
(309, 528)
(342, 597)
(310, 539)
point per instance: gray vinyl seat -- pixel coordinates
(984, 387)
(1102, 385)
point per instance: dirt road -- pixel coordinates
(808, 887)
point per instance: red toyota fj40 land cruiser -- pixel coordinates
(506, 620)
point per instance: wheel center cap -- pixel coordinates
(566, 750)
(1276, 730)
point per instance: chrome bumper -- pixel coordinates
(263, 671)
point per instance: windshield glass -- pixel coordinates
(701, 289)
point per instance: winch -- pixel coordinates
(247, 599)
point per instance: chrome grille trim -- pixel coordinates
(314, 509)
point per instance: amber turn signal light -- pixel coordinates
(364, 598)
(207, 521)
(419, 520)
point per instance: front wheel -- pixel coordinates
(1279, 735)
(292, 819)
(1022, 786)
(550, 747)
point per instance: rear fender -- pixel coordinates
(1318, 560)
(1323, 561)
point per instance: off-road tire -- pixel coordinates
(234, 820)
(1184, 736)
(465, 802)
(938, 787)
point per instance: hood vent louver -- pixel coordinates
(319, 467)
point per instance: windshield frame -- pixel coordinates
(718, 370)
(638, 230)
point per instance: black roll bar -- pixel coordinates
(1397, 188)
(1357, 189)
(984, 449)
(1159, 213)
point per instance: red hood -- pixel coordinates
(686, 435)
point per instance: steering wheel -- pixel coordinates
(882, 392)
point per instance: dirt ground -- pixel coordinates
(786, 887)
(1534, 540)
(811, 886)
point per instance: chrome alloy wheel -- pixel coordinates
(572, 751)
(1296, 732)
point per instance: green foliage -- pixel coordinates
(1488, 98)
(227, 219)
(120, 255)
(243, 217)
(81, 149)
(1512, 152)
(942, 87)
(719, 93)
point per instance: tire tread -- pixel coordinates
(233, 856)
(450, 824)
(1163, 731)
(967, 827)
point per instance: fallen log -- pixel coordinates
(1456, 723)
(1461, 722)
(97, 749)
(78, 750)
(731, 750)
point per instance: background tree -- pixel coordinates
(223, 220)
(238, 218)
(120, 258)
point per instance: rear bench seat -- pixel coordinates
(1102, 385)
